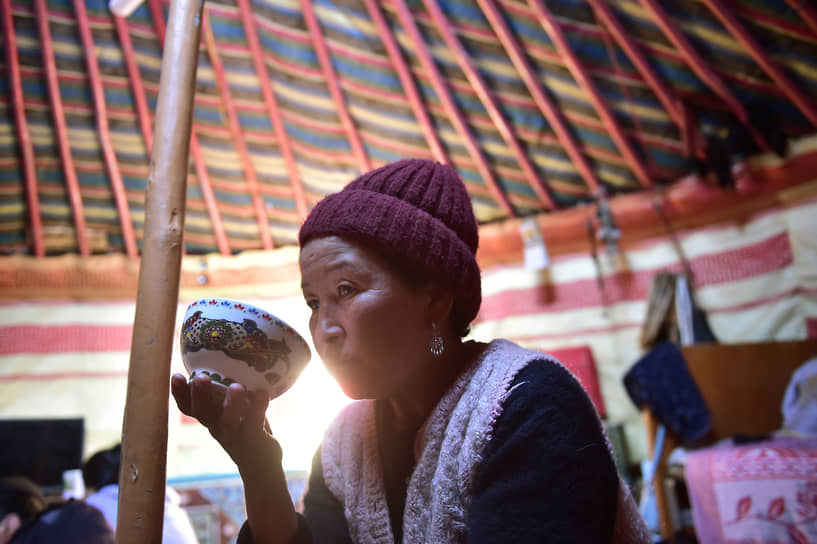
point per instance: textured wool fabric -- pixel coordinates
(415, 213)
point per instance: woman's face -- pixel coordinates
(370, 328)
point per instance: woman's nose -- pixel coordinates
(327, 328)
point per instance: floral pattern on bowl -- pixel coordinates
(239, 342)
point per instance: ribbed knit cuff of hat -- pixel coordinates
(406, 236)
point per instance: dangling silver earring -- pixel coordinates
(436, 345)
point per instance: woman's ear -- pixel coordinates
(440, 306)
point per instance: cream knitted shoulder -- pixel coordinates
(453, 441)
(351, 470)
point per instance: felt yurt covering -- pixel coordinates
(693, 122)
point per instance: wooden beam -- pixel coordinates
(807, 11)
(804, 103)
(452, 110)
(331, 77)
(688, 204)
(202, 176)
(236, 133)
(611, 23)
(143, 471)
(108, 152)
(272, 107)
(554, 117)
(488, 101)
(700, 67)
(407, 82)
(23, 136)
(572, 62)
(60, 126)
(135, 78)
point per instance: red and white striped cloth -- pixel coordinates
(756, 280)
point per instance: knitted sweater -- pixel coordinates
(513, 452)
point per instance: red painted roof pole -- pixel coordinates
(543, 101)
(23, 136)
(407, 82)
(662, 92)
(805, 104)
(698, 65)
(806, 11)
(322, 52)
(450, 107)
(236, 133)
(499, 120)
(272, 107)
(108, 153)
(202, 175)
(68, 169)
(135, 78)
(634, 162)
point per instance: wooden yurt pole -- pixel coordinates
(144, 431)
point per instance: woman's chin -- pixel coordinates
(356, 390)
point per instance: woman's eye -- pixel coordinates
(312, 303)
(345, 290)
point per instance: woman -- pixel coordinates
(450, 441)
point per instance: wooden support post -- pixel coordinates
(144, 433)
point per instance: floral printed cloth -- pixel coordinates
(763, 492)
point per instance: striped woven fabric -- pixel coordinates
(539, 105)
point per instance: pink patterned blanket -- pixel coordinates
(763, 492)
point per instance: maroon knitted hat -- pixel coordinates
(416, 214)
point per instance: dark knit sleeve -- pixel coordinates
(548, 475)
(322, 522)
(323, 512)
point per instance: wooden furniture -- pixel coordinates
(743, 386)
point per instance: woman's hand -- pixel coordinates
(236, 420)
(235, 417)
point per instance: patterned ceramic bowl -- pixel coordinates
(232, 341)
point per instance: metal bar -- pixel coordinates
(322, 52)
(60, 127)
(143, 470)
(202, 176)
(805, 104)
(407, 82)
(236, 133)
(108, 153)
(496, 115)
(272, 107)
(23, 135)
(540, 97)
(573, 64)
(662, 92)
(135, 78)
(451, 109)
(699, 66)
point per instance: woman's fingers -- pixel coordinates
(181, 392)
(235, 417)
(234, 414)
(257, 412)
(205, 400)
